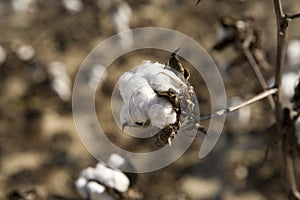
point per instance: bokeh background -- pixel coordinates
(43, 43)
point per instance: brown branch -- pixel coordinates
(241, 105)
(282, 23)
(294, 16)
(259, 76)
(292, 176)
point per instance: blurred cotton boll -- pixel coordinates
(293, 53)
(2, 55)
(289, 81)
(61, 82)
(73, 6)
(23, 5)
(115, 161)
(92, 182)
(111, 178)
(120, 12)
(25, 52)
(121, 19)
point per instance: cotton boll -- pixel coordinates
(139, 92)
(61, 82)
(81, 184)
(23, 5)
(61, 86)
(293, 52)
(289, 81)
(111, 178)
(73, 6)
(121, 19)
(121, 16)
(115, 161)
(25, 52)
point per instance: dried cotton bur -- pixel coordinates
(157, 95)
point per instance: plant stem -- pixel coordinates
(292, 177)
(282, 23)
(256, 70)
(294, 16)
(254, 99)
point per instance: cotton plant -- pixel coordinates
(159, 96)
(93, 183)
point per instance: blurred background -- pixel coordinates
(43, 43)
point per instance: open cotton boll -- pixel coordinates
(111, 178)
(139, 90)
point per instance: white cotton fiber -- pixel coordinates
(139, 92)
